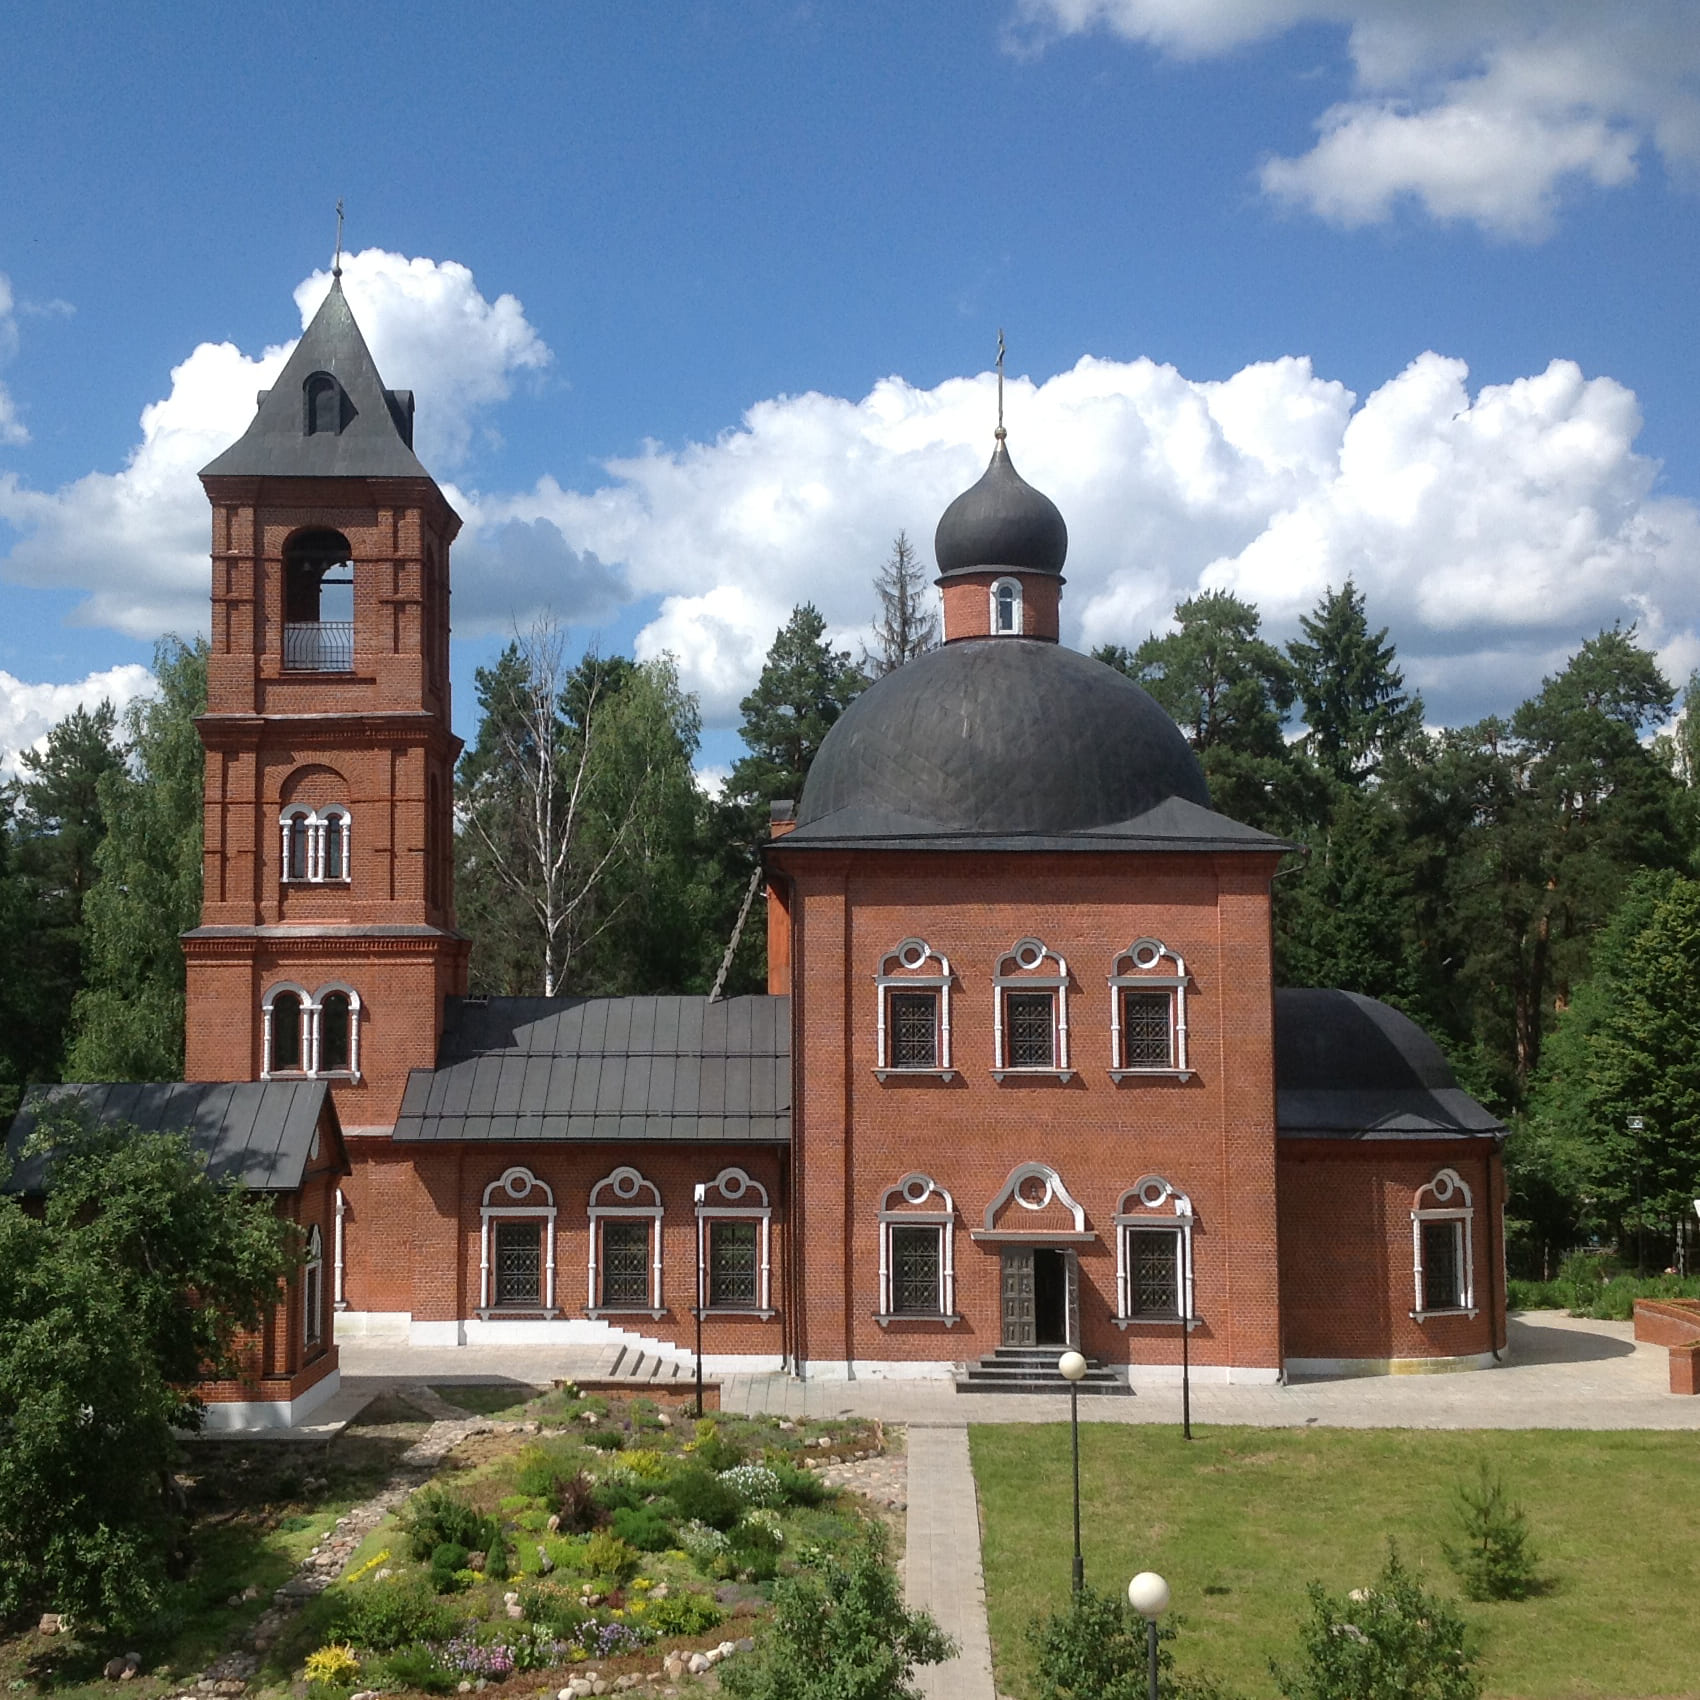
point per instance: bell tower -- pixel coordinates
(327, 940)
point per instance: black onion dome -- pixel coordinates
(1002, 736)
(1001, 522)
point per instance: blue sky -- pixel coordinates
(700, 301)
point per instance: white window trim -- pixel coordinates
(313, 1290)
(992, 590)
(1143, 1206)
(733, 1186)
(316, 823)
(340, 1301)
(1051, 1190)
(904, 969)
(529, 1198)
(1136, 970)
(312, 1003)
(634, 1198)
(918, 1201)
(1019, 970)
(1445, 1186)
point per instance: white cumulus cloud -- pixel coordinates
(1477, 110)
(135, 541)
(12, 429)
(29, 712)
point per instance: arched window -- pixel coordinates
(917, 1264)
(317, 845)
(323, 398)
(913, 1036)
(1148, 986)
(282, 1031)
(313, 1290)
(336, 1033)
(1006, 606)
(517, 1245)
(625, 1244)
(1154, 1223)
(1030, 1011)
(734, 1244)
(318, 603)
(1443, 1247)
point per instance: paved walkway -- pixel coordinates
(941, 1561)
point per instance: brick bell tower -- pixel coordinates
(327, 940)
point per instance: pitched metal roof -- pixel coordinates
(606, 1069)
(376, 439)
(260, 1132)
(1350, 1067)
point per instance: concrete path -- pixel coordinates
(941, 1561)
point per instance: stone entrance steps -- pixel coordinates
(1033, 1369)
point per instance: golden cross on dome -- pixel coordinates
(1000, 430)
(336, 266)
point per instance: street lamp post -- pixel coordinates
(1148, 1594)
(1638, 1126)
(1071, 1366)
(701, 1199)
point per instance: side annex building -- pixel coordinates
(1021, 1076)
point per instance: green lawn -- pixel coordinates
(1240, 1520)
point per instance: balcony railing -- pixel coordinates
(319, 646)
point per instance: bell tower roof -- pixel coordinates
(328, 415)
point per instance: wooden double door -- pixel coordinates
(1041, 1296)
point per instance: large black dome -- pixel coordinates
(1001, 521)
(1000, 736)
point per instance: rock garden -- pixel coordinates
(567, 1546)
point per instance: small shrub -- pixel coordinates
(432, 1518)
(1097, 1648)
(703, 1544)
(607, 1555)
(647, 1464)
(1395, 1638)
(755, 1548)
(754, 1484)
(448, 1565)
(540, 1474)
(800, 1487)
(683, 1613)
(333, 1665)
(555, 1610)
(1495, 1561)
(698, 1496)
(577, 1505)
(418, 1666)
(498, 1560)
(643, 1527)
(617, 1492)
(393, 1613)
(712, 1449)
(605, 1439)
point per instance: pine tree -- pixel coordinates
(805, 685)
(1352, 694)
(908, 624)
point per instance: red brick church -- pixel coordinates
(1021, 1077)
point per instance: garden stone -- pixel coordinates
(745, 1644)
(674, 1665)
(554, 1523)
(115, 1668)
(382, 1574)
(727, 1649)
(49, 1624)
(545, 1563)
(516, 1611)
(663, 1420)
(699, 1663)
(599, 1686)
(464, 1688)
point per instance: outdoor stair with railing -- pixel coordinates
(1033, 1369)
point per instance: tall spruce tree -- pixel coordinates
(908, 623)
(1351, 692)
(128, 1018)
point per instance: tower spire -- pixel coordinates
(999, 433)
(336, 264)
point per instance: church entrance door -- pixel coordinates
(1041, 1302)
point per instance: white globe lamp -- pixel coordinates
(1071, 1366)
(1148, 1594)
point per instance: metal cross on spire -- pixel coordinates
(336, 266)
(1000, 430)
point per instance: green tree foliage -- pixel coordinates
(1351, 691)
(840, 1631)
(128, 1018)
(114, 1302)
(1629, 1046)
(1495, 1560)
(1230, 691)
(47, 869)
(1391, 1641)
(1097, 1648)
(908, 623)
(579, 825)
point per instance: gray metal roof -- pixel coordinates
(1350, 1067)
(376, 440)
(606, 1069)
(1005, 741)
(257, 1132)
(1001, 522)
